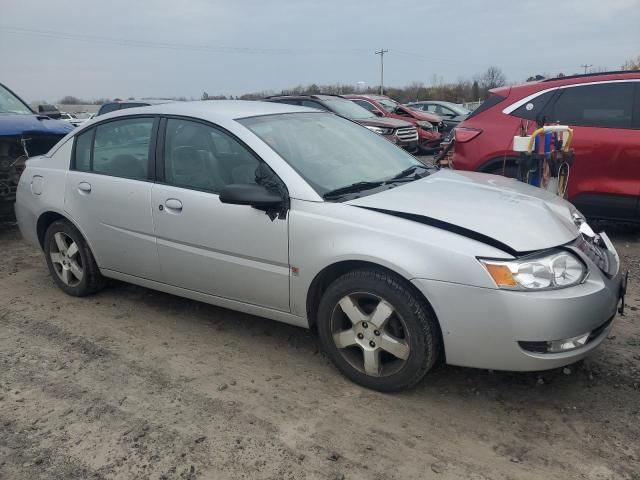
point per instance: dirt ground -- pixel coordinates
(136, 384)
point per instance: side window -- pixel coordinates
(603, 105)
(82, 155)
(365, 104)
(537, 108)
(289, 101)
(431, 108)
(108, 107)
(121, 148)
(312, 104)
(204, 158)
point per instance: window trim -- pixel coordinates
(160, 160)
(151, 153)
(510, 108)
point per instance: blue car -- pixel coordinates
(23, 134)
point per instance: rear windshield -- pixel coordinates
(487, 104)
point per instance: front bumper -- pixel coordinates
(483, 330)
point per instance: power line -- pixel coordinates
(172, 46)
(381, 53)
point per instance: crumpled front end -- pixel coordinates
(14, 152)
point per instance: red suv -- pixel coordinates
(429, 125)
(604, 112)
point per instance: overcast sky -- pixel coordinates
(122, 48)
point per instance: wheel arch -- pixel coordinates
(328, 274)
(45, 220)
(490, 165)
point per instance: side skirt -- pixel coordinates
(211, 299)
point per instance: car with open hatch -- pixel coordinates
(23, 133)
(305, 217)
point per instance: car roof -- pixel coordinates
(367, 95)
(319, 96)
(213, 110)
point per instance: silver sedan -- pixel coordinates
(307, 218)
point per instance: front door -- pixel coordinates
(108, 194)
(231, 251)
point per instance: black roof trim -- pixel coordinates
(450, 227)
(586, 75)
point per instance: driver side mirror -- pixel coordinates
(249, 194)
(378, 113)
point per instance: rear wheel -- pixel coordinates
(377, 330)
(70, 260)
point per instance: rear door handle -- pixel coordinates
(84, 187)
(173, 204)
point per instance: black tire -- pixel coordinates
(422, 335)
(92, 281)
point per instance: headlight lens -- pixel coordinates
(558, 269)
(424, 124)
(380, 130)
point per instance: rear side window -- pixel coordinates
(365, 104)
(108, 108)
(603, 105)
(536, 109)
(121, 148)
(492, 101)
(312, 104)
(82, 157)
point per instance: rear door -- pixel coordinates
(108, 194)
(231, 251)
(605, 177)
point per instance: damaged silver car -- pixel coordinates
(307, 218)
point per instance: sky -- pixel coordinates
(168, 48)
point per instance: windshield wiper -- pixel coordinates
(353, 188)
(408, 171)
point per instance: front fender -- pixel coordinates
(322, 234)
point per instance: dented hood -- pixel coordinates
(24, 124)
(519, 216)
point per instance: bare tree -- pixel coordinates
(492, 78)
(632, 64)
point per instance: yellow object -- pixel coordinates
(552, 128)
(500, 274)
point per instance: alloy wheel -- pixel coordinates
(370, 334)
(66, 259)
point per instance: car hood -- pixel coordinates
(21, 124)
(493, 209)
(419, 115)
(384, 122)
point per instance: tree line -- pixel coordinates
(462, 91)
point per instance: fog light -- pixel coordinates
(556, 346)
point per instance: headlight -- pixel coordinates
(424, 124)
(380, 130)
(557, 269)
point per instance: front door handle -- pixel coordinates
(84, 187)
(173, 204)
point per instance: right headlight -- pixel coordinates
(380, 130)
(550, 270)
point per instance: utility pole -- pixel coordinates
(381, 53)
(585, 66)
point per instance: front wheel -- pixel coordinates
(377, 331)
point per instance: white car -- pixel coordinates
(308, 218)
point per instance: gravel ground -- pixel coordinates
(136, 384)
